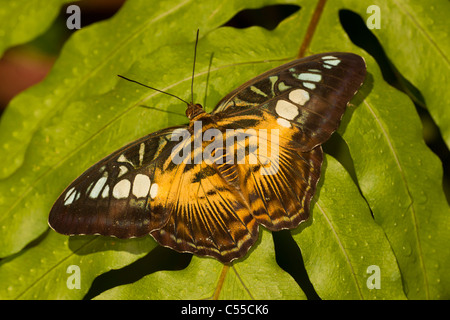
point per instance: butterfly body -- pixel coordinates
(206, 187)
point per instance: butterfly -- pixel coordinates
(206, 187)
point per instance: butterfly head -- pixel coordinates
(194, 110)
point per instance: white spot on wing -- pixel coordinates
(68, 193)
(122, 171)
(283, 122)
(286, 109)
(105, 192)
(332, 62)
(154, 190)
(141, 153)
(97, 187)
(328, 57)
(141, 185)
(283, 87)
(273, 80)
(299, 96)
(257, 91)
(309, 85)
(122, 189)
(122, 158)
(69, 199)
(314, 77)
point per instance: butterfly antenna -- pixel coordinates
(162, 110)
(170, 94)
(193, 68)
(207, 79)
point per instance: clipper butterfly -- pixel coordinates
(214, 205)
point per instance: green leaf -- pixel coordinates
(82, 112)
(45, 271)
(31, 18)
(256, 277)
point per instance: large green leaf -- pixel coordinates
(406, 199)
(82, 112)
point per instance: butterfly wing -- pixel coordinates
(310, 93)
(116, 196)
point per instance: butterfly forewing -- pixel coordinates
(309, 93)
(214, 207)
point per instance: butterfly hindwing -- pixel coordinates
(210, 216)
